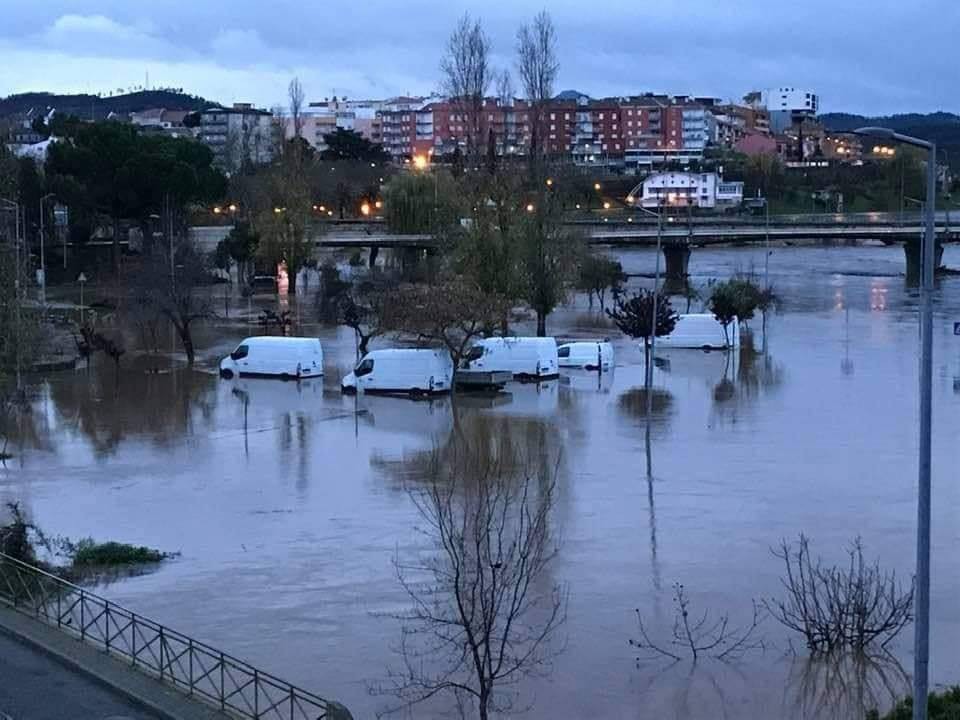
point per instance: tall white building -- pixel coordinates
(788, 104)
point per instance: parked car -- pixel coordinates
(267, 356)
(528, 358)
(401, 371)
(586, 354)
(701, 331)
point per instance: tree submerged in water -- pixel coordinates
(484, 608)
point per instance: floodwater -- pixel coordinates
(288, 501)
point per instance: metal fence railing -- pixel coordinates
(191, 666)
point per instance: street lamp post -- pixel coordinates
(43, 261)
(921, 659)
(16, 286)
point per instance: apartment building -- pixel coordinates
(237, 134)
(787, 106)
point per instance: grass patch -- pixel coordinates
(943, 706)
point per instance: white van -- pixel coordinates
(412, 371)
(267, 356)
(701, 331)
(528, 358)
(586, 354)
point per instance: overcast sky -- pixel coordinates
(870, 56)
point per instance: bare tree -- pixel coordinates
(538, 66)
(179, 296)
(296, 98)
(703, 635)
(452, 312)
(466, 76)
(488, 612)
(842, 607)
(505, 91)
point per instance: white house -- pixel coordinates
(687, 189)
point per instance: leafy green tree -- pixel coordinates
(599, 273)
(634, 317)
(548, 256)
(109, 168)
(421, 203)
(345, 144)
(239, 247)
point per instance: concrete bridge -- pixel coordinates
(679, 234)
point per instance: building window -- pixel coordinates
(629, 112)
(553, 116)
(566, 116)
(553, 127)
(616, 146)
(605, 147)
(629, 123)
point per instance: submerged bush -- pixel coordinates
(942, 706)
(88, 553)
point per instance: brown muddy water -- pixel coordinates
(287, 500)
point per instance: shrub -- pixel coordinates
(942, 706)
(88, 553)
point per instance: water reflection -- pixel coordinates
(107, 408)
(747, 375)
(842, 686)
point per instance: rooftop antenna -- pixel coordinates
(147, 79)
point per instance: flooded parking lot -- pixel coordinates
(288, 502)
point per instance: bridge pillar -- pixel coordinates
(374, 251)
(912, 251)
(677, 263)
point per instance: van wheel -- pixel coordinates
(286, 376)
(706, 348)
(416, 392)
(226, 373)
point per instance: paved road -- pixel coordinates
(34, 686)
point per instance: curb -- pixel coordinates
(96, 676)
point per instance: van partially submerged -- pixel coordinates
(701, 331)
(401, 371)
(586, 354)
(528, 358)
(267, 356)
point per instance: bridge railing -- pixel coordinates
(199, 670)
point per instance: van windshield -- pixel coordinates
(474, 353)
(563, 352)
(241, 352)
(364, 368)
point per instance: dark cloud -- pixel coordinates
(860, 56)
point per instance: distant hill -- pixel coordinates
(97, 107)
(943, 128)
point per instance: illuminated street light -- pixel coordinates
(549, 182)
(529, 207)
(596, 186)
(921, 600)
(365, 208)
(578, 206)
(420, 162)
(378, 204)
(217, 210)
(329, 213)
(606, 206)
(278, 210)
